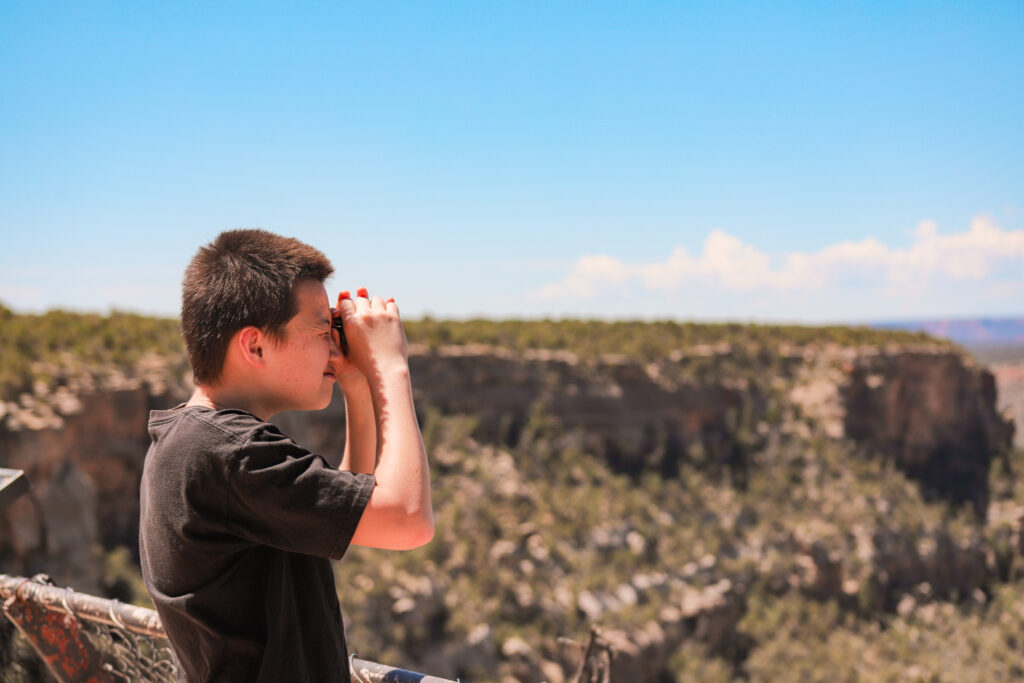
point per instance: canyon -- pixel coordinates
(926, 410)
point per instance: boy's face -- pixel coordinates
(298, 365)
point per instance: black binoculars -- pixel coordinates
(342, 342)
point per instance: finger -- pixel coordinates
(344, 294)
(377, 303)
(346, 308)
(363, 293)
(362, 304)
(391, 306)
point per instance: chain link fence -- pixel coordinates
(57, 634)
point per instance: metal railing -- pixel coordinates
(82, 637)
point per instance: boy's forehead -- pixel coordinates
(312, 299)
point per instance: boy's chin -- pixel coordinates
(314, 404)
(318, 401)
(324, 401)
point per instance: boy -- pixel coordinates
(238, 520)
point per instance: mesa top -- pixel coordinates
(237, 523)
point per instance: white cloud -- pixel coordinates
(588, 275)
(728, 264)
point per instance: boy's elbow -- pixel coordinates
(421, 531)
(395, 523)
(394, 531)
(428, 531)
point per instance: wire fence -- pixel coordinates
(57, 634)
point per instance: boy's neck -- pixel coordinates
(219, 399)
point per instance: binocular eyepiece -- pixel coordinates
(340, 338)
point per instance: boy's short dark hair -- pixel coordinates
(242, 278)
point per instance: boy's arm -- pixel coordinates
(399, 515)
(360, 428)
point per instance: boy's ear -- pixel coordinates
(250, 343)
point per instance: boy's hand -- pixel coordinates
(347, 374)
(374, 332)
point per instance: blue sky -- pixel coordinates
(754, 161)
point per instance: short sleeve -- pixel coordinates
(286, 497)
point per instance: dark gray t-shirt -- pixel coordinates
(237, 522)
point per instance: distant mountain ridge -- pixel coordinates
(965, 331)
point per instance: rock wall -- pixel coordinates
(627, 413)
(935, 414)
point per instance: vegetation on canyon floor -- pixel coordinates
(827, 562)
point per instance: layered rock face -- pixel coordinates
(935, 415)
(931, 410)
(629, 414)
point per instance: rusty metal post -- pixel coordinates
(89, 607)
